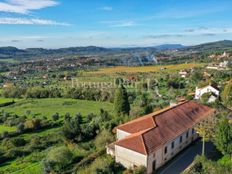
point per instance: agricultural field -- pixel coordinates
(48, 107)
(146, 69)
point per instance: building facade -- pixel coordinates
(154, 139)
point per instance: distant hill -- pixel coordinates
(170, 46)
(220, 45)
(20, 54)
(12, 52)
(9, 50)
(71, 50)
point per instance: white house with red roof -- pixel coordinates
(154, 139)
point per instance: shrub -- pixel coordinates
(5, 134)
(103, 139)
(18, 142)
(55, 117)
(58, 159)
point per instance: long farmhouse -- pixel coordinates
(154, 139)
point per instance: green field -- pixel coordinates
(48, 107)
(25, 167)
(4, 128)
(5, 100)
(44, 107)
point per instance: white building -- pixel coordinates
(224, 64)
(207, 89)
(154, 139)
(183, 74)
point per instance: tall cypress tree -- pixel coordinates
(121, 103)
(227, 95)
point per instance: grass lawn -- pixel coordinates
(5, 100)
(43, 133)
(4, 128)
(48, 107)
(146, 69)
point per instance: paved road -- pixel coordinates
(185, 158)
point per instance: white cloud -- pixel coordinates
(125, 24)
(29, 21)
(25, 6)
(106, 8)
(120, 23)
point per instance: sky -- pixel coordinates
(113, 23)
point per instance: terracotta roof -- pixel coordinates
(140, 124)
(160, 127)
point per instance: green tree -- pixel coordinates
(121, 103)
(72, 128)
(206, 130)
(196, 76)
(145, 104)
(56, 117)
(227, 94)
(103, 139)
(57, 159)
(223, 138)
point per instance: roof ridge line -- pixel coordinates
(179, 104)
(156, 114)
(145, 148)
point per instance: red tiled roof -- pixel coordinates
(151, 131)
(140, 124)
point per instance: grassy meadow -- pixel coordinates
(5, 100)
(32, 163)
(48, 107)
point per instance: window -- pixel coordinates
(154, 165)
(187, 134)
(165, 150)
(181, 139)
(173, 145)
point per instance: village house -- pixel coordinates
(207, 90)
(224, 55)
(224, 64)
(154, 139)
(219, 66)
(183, 73)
